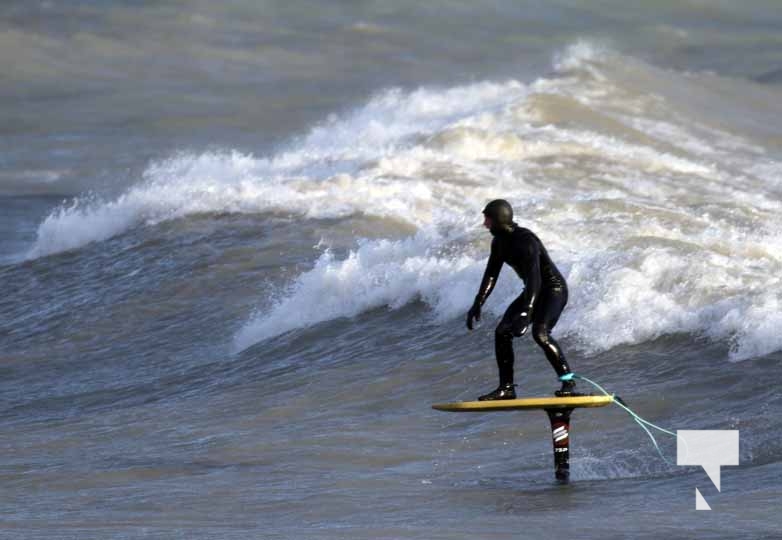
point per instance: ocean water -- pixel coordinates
(238, 241)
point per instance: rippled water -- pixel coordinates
(237, 244)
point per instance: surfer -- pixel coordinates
(540, 304)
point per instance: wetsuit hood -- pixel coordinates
(501, 214)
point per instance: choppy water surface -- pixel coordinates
(237, 243)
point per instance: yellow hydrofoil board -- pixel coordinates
(526, 403)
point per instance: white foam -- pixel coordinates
(673, 232)
(580, 54)
(378, 273)
(316, 177)
(752, 326)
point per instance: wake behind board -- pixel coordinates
(526, 403)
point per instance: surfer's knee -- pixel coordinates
(540, 334)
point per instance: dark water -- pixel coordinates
(238, 240)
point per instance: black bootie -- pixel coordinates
(569, 390)
(503, 391)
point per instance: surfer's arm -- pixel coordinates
(493, 268)
(530, 273)
(490, 276)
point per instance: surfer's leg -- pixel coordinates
(545, 316)
(503, 341)
(554, 354)
(503, 349)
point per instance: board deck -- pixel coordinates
(526, 403)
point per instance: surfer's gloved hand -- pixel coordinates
(520, 324)
(474, 313)
(517, 326)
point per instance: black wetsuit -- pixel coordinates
(541, 303)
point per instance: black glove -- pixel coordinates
(516, 327)
(474, 313)
(519, 324)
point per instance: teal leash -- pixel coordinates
(638, 419)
